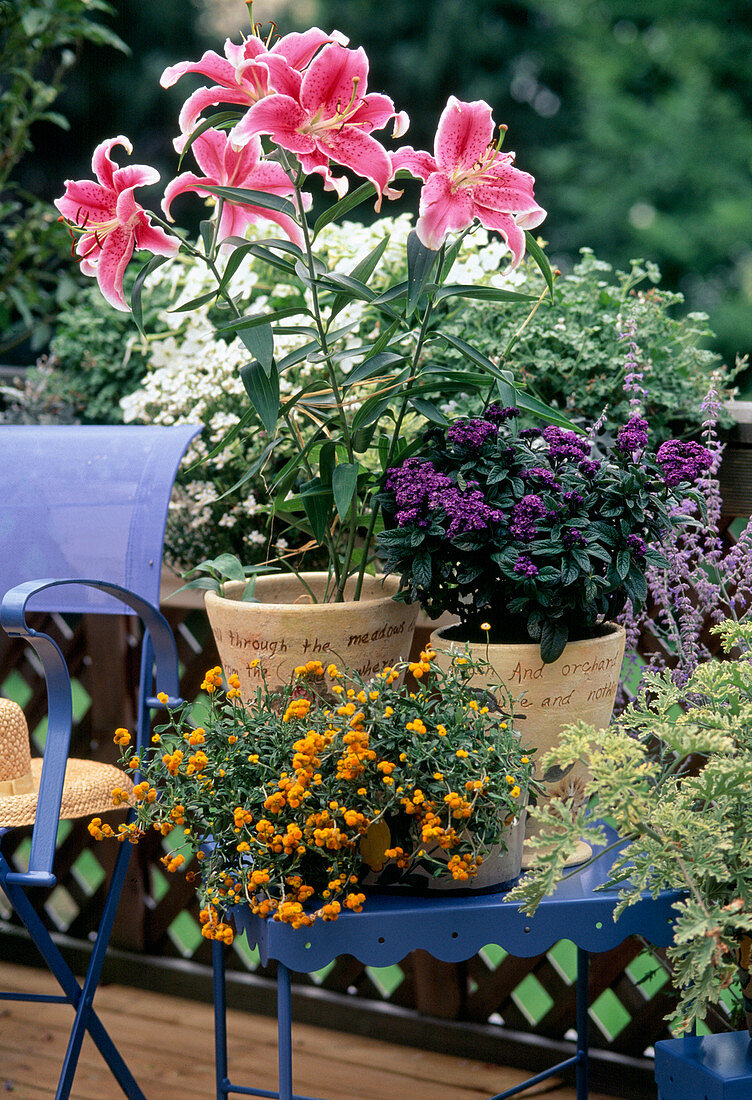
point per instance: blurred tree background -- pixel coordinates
(635, 116)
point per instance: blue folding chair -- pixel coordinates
(83, 508)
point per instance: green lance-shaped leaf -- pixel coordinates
(428, 410)
(263, 390)
(376, 364)
(344, 484)
(136, 307)
(541, 259)
(253, 198)
(363, 272)
(260, 343)
(220, 121)
(316, 499)
(482, 293)
(420, 263)
(344, 206)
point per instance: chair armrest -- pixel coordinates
(60, 708)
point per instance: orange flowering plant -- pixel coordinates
(287, 799)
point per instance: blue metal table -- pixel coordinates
(451, 929)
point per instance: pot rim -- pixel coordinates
(613, 630)
(306, 608)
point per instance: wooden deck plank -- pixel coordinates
(168, 1043)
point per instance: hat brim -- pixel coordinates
(87, 790)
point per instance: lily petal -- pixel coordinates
(202, 98)
(362, 153)
(298, 48)
(420, 163)
(507, 226)
(85, 201)
(102, 165)
(442, 210)
(280, 116)
(332, 78)
(463, 135)
(116, 252)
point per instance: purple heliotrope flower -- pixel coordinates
(526, 566)
(466, 511)
(637, 544)
(541, 474)
(589, 466)
(414, 483)
(573, 498)
(530, 433)
(564, 444)
(572, 537)
(633, 436)
(498, 414)
(471, 433)
(524, 515)
(681, 461)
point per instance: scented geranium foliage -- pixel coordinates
(287, 799)
(284, 116)
(672, 776)
(524, 529)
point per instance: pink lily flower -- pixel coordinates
(224, 166)
(239, 76)
(113, 223)
(468, 178)
(325, 114)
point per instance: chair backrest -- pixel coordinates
(89, 502)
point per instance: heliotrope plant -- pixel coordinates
(286, 799)
(526, 530)
(291, 111)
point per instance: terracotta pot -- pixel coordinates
(581, 684)
(285, 628)
(744, 965)
(499, 871)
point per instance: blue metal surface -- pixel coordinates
(453, 929)
(705, 1067)
(83, 502)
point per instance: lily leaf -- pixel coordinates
(541, 259)
(344, 206)
(420, 263)
(263, 390)
(344, 484)
(253, 198)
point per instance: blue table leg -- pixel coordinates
(220, 1020)
(284, 1031)
(583, 963)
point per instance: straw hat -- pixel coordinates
(88, 784)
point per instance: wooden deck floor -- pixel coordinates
(168, 1044)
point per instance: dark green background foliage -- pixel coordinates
(635, 116)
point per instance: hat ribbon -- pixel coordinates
(23, 785)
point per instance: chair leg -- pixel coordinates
(86, 1018)
(220, 1020)
(583, 1023)
(284, 1032)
